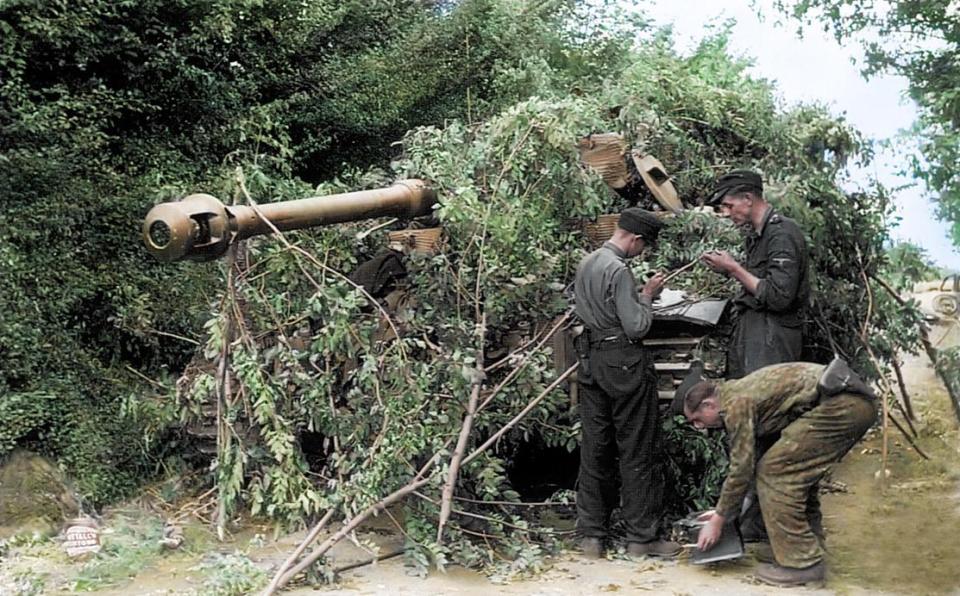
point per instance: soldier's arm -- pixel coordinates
(722, 262)
(739, 422)
(778, 289)
(633, 308)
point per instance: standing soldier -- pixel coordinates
(774, 279)
(618, 406)
(814, 415)
(768, 311)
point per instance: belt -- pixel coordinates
(607, 336)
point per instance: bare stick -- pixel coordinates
(533, 403)
(299, 550)
(514, 503)
(883, 398)
(395, 553)
(880, 370)
(446, 502)
(418, 481)
(677, 272)
(903, 391)
(907, 437)
(913, 431)
(224, 389)
(350, 526)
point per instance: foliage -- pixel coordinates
(907, 264)
(313, 356)
(108, 103)
(919, 41)
(230, 575)
(688, 236)
(696, 466)
(107, 107)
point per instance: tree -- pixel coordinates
(920, 41)
(107, 107)
(907, 264)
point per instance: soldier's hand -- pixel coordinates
(654, 285)
(719, 260)
(710, 533)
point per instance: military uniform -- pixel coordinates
(618, 401)
(768, 326)
(814, 432)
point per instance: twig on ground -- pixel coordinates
(311, 536)
(903, 392)
(366, 562)
(289, 570)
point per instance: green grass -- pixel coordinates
(126, 551)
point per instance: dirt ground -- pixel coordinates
(893, 533)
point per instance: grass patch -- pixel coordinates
(230, 575)
(126, 551)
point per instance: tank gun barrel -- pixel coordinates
(201, 228)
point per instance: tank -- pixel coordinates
(201, 228)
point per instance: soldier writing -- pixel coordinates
(813, 422)
(618, 406)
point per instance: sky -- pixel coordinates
(818, 69)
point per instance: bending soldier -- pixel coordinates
(618, 403)
(818, 418)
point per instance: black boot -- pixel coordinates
(591, 547)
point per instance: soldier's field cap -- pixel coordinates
(640, 222)
(735, 181)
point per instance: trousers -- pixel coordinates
(759, 339)
(620, 433)
(789, 473)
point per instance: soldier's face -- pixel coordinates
(637, 246)
(736, 208)
(706, 416)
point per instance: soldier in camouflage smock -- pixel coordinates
(815, 430)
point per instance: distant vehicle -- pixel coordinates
(947, 302)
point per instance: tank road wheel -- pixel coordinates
(946, 305)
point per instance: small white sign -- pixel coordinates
(82, 536)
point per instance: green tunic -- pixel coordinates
(607, 296)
